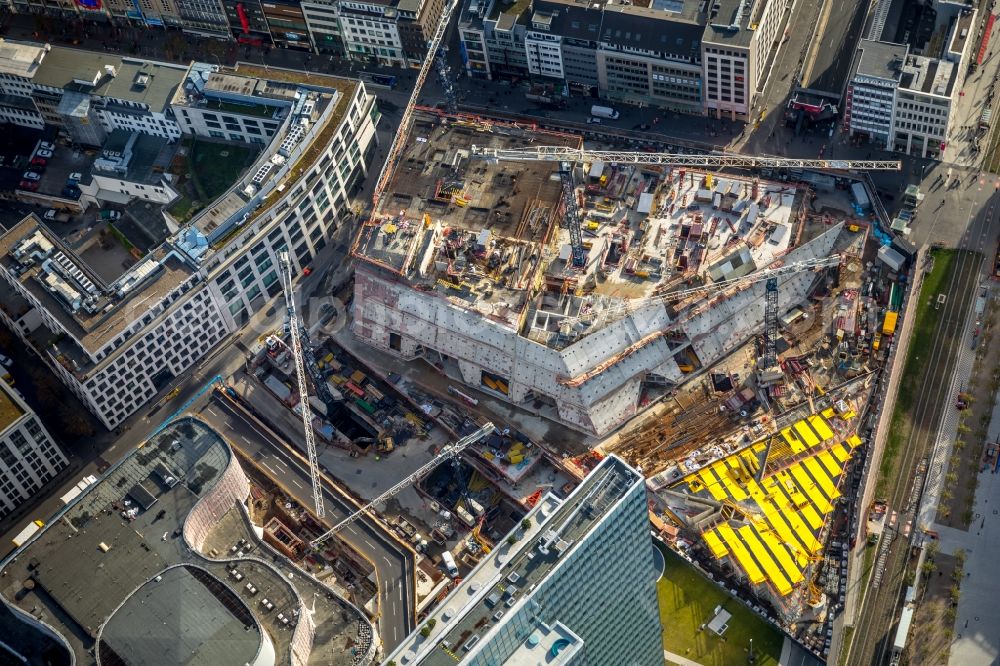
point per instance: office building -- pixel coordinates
(118, 337)
(906, 74)
(29, 457)
(694, 57)
(577, 586)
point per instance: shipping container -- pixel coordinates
(365, 406)
(28, 532)
(355, 389)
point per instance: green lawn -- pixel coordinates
(687, 600)
(924, 326)
(216, 166)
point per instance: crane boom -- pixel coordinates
(295, 333)
(402, 130)
(767, 274)
(447, 453)
(715, 160)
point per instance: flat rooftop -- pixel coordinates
(881, 59)
(557, 527)
(198, 614)
(146, 82)
(93, 570)
(10, 411)
(20, 58)
(155, 276)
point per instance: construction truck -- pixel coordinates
(384, 444)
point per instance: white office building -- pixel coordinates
(29, 457)
(578, 586)
(116, 338)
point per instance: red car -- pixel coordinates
(39, 161)
(30, 185)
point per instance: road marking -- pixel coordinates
(279, 462)
(269, 468)
(245, 440)
(400, 590)
(212, 411)
(369, 542)
(387, 560)
(297, 483)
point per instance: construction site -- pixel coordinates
(720, 331)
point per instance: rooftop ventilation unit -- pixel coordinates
(262, 173)
(295, 134)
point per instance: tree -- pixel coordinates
(511, 540)
(525, 524)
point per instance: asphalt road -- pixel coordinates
(395, 568)
(875, 624)
(831, 55)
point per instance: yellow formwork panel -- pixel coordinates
(731, 486)
(828, 412)
(821, 428)
(771, 568)
(792, 515)
(812, 518)
(822, 478)
(756, 492)
(793, 441)
(780, 526)
(853, 441)
(742, 554)
(810, 489)
(831, 466)
(780, 552)
(841, 452)
(806, 433)
(715, 544)
(711, 483)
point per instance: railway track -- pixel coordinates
(872, 642)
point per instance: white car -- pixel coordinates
(45, 145)
(594, 121)
(5, 361)
(31, 175)
(75, 177)
(44, 153)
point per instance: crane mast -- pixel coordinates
(295, 332)
(715, 160)
(402, 130)
(447, 453)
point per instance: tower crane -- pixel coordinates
(448, 452)
(430, 61)
(296, 331)
(722, 285)
(711, 161)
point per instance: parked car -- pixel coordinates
(74, 178)
(32, 175)
(5, 361)
(44, 153)
(71, 192)
(109, 215)
(39, 161)
(594, 121)
(45, 145)
(30, 185)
